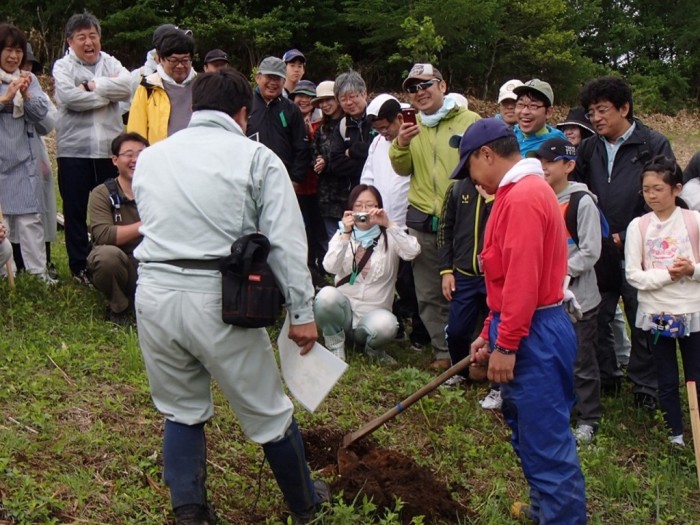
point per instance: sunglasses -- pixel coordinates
(415, 88)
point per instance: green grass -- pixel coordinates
(80, 441)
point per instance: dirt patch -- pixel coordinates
(382, 475)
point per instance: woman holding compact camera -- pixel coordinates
(364, 256)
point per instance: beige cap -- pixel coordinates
(422, 72)
(506, 91)
(324, 90)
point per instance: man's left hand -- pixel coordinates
(501, 367)
(304, 335)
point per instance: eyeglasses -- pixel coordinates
(364, 206)
(130, 154)
(179, 61)
(598, 111)
(348, 97)
(531, 106)
(421, 86)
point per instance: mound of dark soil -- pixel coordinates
(382, 475)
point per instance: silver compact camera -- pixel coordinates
(361, 217)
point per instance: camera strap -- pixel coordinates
(358, 267)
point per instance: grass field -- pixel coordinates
(80, 440)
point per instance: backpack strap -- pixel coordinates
(343, 127)
(643, 227)
(149, 87)
(114, 199)
(360, 266)
(691, 225)
(571, 214)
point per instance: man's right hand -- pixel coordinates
(304, 335)
(448, 285)
(406, 133)
(479, 350)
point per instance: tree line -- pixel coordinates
(477, 44)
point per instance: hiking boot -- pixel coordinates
(119, 318)
(82, 278)
(336, 344)
(417, 347)
(522, 512)
(379, 356)
(454, 382)
(441, 364)
(584, 434)
(322, 493)
(195, 515)
(492, 401)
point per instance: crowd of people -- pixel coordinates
(510, 239)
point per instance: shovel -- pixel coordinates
(373, 425)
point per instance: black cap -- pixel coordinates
(216, 54)
(166, 29)
(554, 149)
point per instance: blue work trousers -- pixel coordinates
(537, 406)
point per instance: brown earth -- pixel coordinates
(382, 475)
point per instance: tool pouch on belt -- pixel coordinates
(250, 296)
(420, 221)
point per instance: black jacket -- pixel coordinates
(618, 193)
(356, 140)
(461, 229)
(280, 126)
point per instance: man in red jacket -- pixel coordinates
(527, 340)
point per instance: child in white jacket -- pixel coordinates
(661, 261)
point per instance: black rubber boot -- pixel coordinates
(287, 460)
(185, 464)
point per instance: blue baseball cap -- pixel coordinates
(292, 54)
(482, 132)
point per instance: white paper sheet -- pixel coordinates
(309, 377)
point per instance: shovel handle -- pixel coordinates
(403, 405)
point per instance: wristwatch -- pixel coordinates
(86, 85)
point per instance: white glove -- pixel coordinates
(570, 302)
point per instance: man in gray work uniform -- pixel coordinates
(198, 191)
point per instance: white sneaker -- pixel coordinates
(492, 401)
(454, 382)
(584, 434)
(46, 278)
(338, 352)
(677, 440)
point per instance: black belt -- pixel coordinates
(193, 264)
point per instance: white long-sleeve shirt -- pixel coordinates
(393, 188)
(374, 286)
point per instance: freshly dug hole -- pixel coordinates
(381, 475)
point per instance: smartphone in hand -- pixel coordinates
(409, 115)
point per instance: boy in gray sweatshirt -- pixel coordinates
(558, 159)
